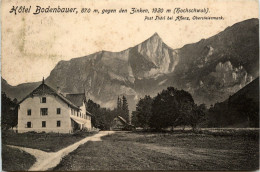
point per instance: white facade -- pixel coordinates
(82, 118)
(51, 115)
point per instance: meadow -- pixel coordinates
(216, 149)
(204, 149)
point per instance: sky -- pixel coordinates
(33, 44)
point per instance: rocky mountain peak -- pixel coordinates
(154, 40)
(152, 58)
(155, 36)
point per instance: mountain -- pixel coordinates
(219, 66)
(250, 91)
(211, 69)
(19, 91)
(239, 110)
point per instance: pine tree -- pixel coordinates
(125, 109)
(119, 103)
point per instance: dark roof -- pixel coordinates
(76, 99)
(122, 119)
(44, 89)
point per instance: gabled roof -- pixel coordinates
(76, 99)
(44, 89)
(122, 119)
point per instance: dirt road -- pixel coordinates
(47, 160)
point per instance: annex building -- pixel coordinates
(48, 110)
(119, 123)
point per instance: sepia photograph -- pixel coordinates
(136, 85)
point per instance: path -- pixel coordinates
(47, 160)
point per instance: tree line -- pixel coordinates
(9, 114)
(170, 108)
(241, 112)
(102, 117)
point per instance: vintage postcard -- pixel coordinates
(129, 85)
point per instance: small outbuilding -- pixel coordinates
(119, 123)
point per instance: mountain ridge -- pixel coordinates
(240, 110)
(210, 69)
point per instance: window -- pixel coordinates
(43, 124)
(43, 100)
(44, 111)
(58, 123)
(29, 125)
(58, 110)
(29, 112)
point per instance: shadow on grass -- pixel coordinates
(15, 159)
(250, 133)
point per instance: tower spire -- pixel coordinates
(43, 80)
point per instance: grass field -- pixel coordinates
(167, 151)
(16, 160)
(49, 142)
